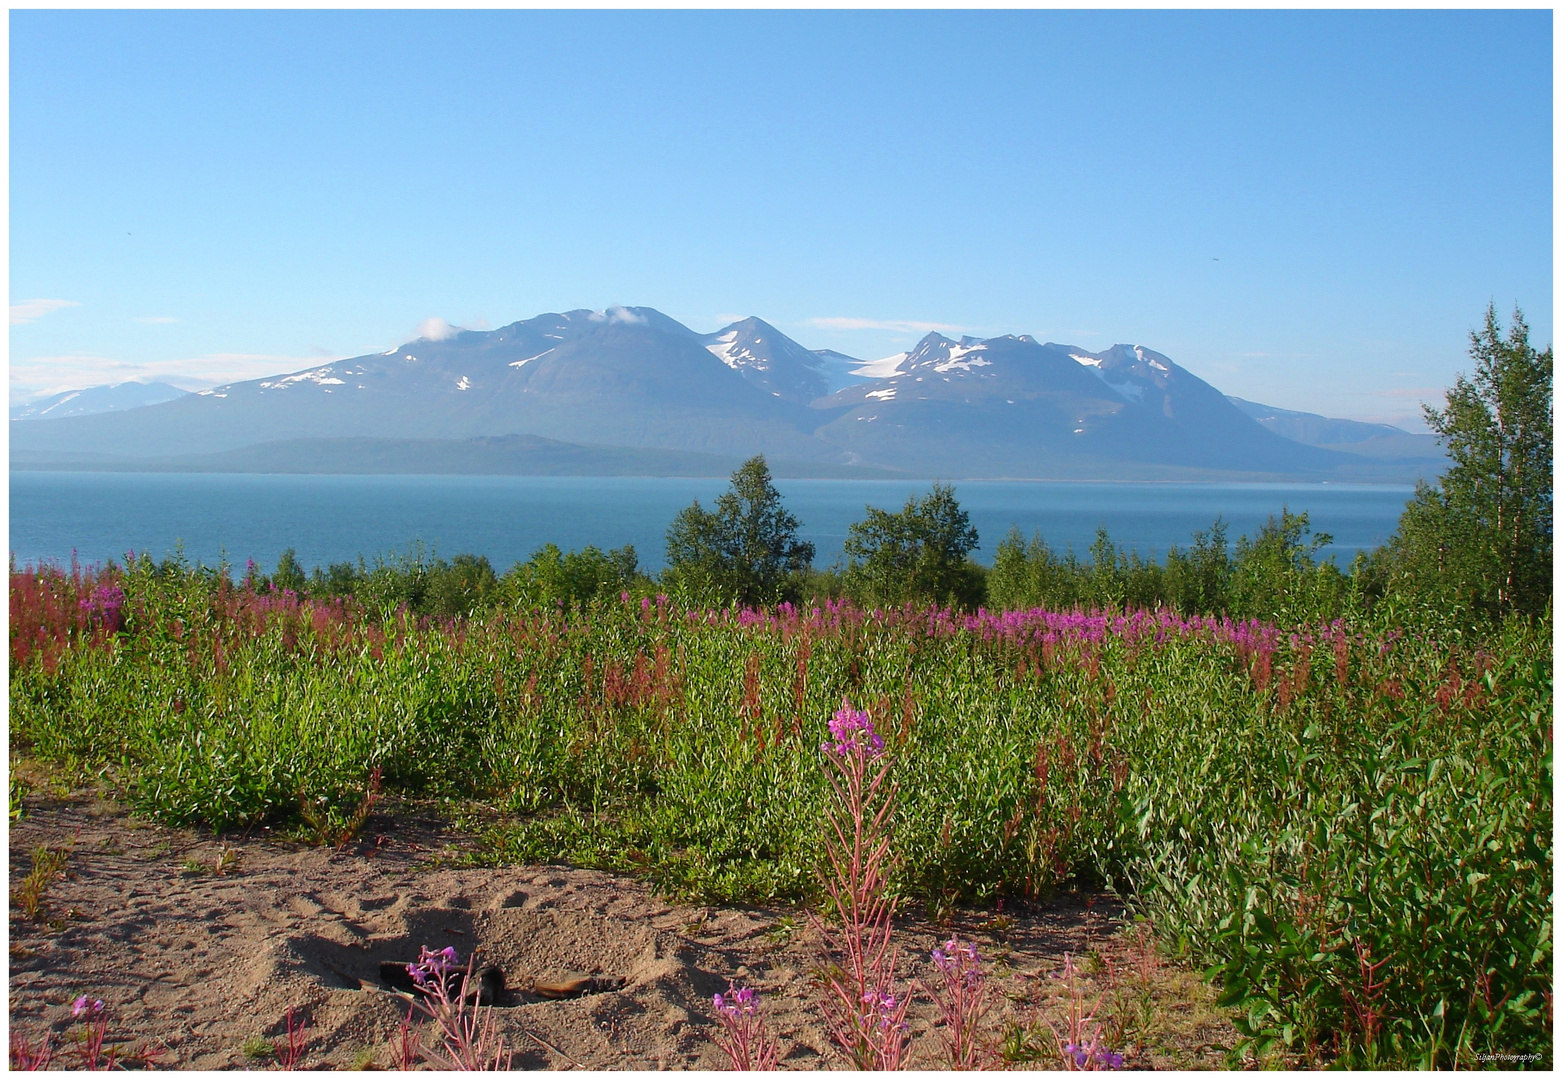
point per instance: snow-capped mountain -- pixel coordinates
(624, 377)
(96, 399)
(1014, 405)
(635, 378)
(770, 360)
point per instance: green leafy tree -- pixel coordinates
(1030, 575)
(290, 573)
(339, 579)
(460, 587)
(575, 577)
(1277, 576)
(1197, 578)
(1480, 539)
(919, 554)
(746, 550)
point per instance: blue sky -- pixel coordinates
(1307, 209)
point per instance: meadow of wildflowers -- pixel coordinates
(1348, 825)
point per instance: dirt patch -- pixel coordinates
(205, 964)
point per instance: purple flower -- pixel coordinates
(1093, 1057)
(105, 607)
(85, 1006)
(853, 731)
(738, 1001)
(433, 965)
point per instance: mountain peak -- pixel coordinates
(769, 359)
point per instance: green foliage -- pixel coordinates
(1274, 576)
(1277, 577)
(551, 576)
(1198, 579)
(745, 551)
(919, 555)
(19, 792)
(290, 574)
(1480, 541)
(259, 1048)
(1395, 908)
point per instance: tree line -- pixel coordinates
(1471, 548)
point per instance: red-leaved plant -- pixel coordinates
(744, 1038)
(960, 992)
(468, 1039)
(865, 1016)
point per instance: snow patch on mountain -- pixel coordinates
(730, 351)
(882, 369)
(956, 361)
(1139, 351)
(320, 376)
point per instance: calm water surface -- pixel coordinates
(337, 518)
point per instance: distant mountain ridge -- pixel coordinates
(96, 399)
(1355, 436)
(636, 380)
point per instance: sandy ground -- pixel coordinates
(201, 964)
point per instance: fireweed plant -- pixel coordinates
(1079, 1040)
(467, 1038)
(959, 989)
(744, 1039)
(1348, 825)
(865, 1016)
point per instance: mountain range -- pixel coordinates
(631, 389)
(95, 399)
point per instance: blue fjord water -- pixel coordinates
(336, 518)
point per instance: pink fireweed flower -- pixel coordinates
(853, 732)
(743, 1001)
(1093, 1057)
(882, 1007)
(105, 607)
(85, 1006)
(433, 965)
(948, 960)
(744, 1039)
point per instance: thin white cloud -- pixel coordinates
(43, 375)
(436, 329)
(28, 310)
(617, 314)
(156, 320)
(901, 326)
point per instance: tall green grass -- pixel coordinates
(1350, 825)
